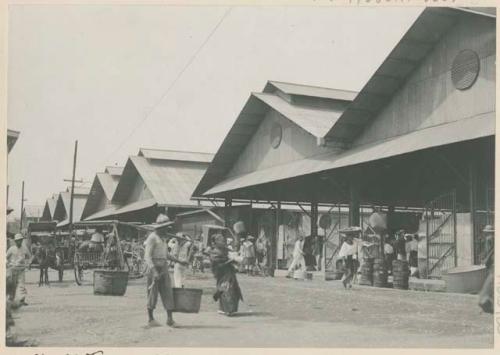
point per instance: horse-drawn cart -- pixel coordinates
(49, 249)
(115, 253)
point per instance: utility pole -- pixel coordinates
(72, 190)
(22, 209)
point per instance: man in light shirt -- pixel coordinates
(298, 256)
(158, 278)
(18, 258)
(184, 255)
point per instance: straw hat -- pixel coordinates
(18, 236)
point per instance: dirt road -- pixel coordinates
(276, 313)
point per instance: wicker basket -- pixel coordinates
(187, 300)
(110, 282)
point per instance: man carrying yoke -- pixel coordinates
(158, 278)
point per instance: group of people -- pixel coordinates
(354, 250)
(306, 254)
(163, 248)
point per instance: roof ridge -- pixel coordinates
(311, 86)
(175, 151)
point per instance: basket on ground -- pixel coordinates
(187, 300)
(110, 282)
(366, 277)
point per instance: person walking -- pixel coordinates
(347, 253)
(262, 247)
(184, 256)
(158, 278)
(228, 291)
(298, 256)
(18, 258)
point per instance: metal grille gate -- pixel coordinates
(441, 234)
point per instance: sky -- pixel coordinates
(120, 77)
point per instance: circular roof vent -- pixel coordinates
(465, 69)
(276, 134)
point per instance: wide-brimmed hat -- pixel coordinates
(18, 236)
(488, 229)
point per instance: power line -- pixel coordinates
(189, 62)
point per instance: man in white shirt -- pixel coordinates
(298, 256)
(18, 258)
(184, 255)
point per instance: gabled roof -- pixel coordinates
(63, 206)
(32, 211)
(12, 137)
(114, 170)
(406, 56)
(175, 155)
(104, 185)
(313, 109)
(309, 91)
(49, 208)
(170, 181)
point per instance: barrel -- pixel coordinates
(401, 274)
(110, 282)
(187, 300)
(379, 273)
(366, 277)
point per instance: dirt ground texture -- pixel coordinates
(276, 312)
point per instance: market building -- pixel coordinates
(62, 209)
(12, 137)
(419, 135)
(156, 181)
(49, 207)
(101, 193)
(31, 213)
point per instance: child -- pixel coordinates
(248, 254)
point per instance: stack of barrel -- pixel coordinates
(379, 273)
(366, 277)
(401, 274)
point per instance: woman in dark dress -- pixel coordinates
(228, 291)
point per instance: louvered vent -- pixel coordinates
(465, 69)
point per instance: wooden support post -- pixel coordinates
(314, 218)
(228, 202)
(22, 210)
(274, 241)
(70, 227)
(354, 205)
(472, 206)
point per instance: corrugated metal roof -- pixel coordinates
(175, 155)
(101, 214)
(31, 211)
(114, 170)
(462, 130)
(104, 186)
(406, 56)
(136, 206)
(315, 121)
(49, 208)
(311, 91)
(171, 182)
(115, 211)
(63, 206)
(316, 118)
